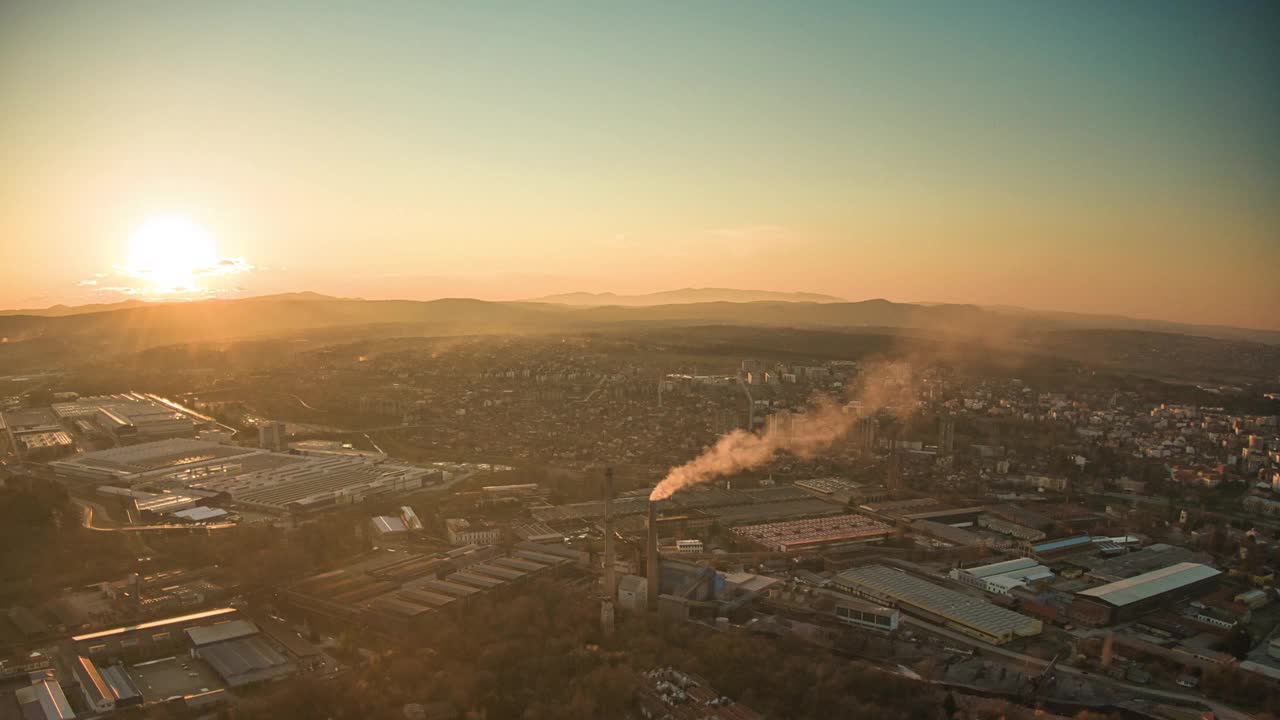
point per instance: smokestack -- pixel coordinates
(610, 582)
(651, 558)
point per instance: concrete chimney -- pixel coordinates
(651, 558)
(610, 581)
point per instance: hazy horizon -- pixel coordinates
(1118, 160)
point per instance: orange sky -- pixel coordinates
(997, 154)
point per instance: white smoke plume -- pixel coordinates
(884, 386)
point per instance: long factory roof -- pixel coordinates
(1147, 585)
(938, 600)
(155, 624)
(1001, 568)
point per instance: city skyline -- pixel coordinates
(1054, 158)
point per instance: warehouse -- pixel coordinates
(238, 652)
(245, 660)
(779, 511)
(156, 503)
(149, 460)
(43, 700)
(946, 533)
(1063, 547)
(135, 415)
(800, 535)
(1126, 599)
(145, 639)
(969, 615)
(310, 484)
(397, 592)
(859, 613)
(999, 578)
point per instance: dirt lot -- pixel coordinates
(160, 679)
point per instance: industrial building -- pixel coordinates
(1132, 597)
(309, 484)
(144, 639)
(1012, 529)
(135, 463)
(272, 436)
(200, 514)
(44, 700)
(156, 503)
(35, 433)
(632, 593)
(134, 416)
(947, 534)
(106, 688)
(463, 532)
(1002, 577)
(969, 615)
(1062, 547)
(855, 612)
(833, 489)
(800, 535)
(388, 525)
(1127, 565)
(238, 653)
(1021, 516)
(394, 592)
(537, 533)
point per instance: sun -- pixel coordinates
(170, 253)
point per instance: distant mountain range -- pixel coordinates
(137, 325)
(64, 310)
(685, 296)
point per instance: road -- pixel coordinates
(1223, 712)
(374, 444)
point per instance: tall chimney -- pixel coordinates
(651, 558)
(610, 582)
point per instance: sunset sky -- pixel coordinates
(1086, 156)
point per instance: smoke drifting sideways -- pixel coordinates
(884, 386)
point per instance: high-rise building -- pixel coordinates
(946, 434)
(865, 433)
(272, 436)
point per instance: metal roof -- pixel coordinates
(207, 634)
(202, 512)
(958, 607)
(1060, 544)
(388, 524)
(237, 657)
(122, 686)
(154, 624)
(1156, 582)
(44, 699)
(1001, 568)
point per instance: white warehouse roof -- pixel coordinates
(1156, 582)
(1001, 568)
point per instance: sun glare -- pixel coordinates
(170, 253)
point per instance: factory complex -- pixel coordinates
(193, 657)
(392, 591)
(189, 470)
(1000, 578)
(915, 596)
(1129, 598)
(798, 535)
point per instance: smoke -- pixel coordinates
(884, 386)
